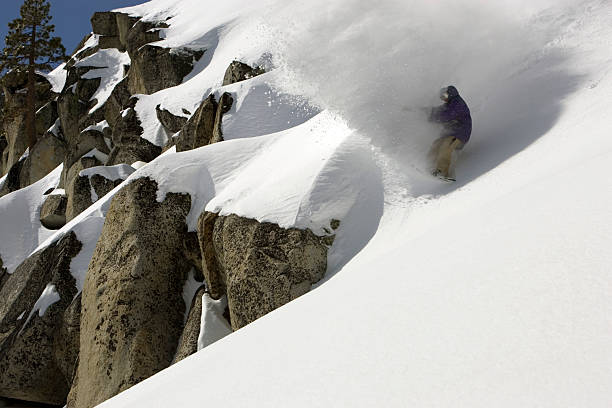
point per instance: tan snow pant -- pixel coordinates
(443, 155)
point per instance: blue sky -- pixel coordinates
(71, 17)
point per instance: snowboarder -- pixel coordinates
(455, 117)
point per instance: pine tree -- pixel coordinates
(30, 48)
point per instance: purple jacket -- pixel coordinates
(454, 115)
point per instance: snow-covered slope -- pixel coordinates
(492, 291)
(21, 230)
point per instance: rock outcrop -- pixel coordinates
(141, 33)
(85, 188)
(75, 102)
(117, 102)
(155, 68)
(171, 123)
(46, 155)
(128, 145)
(33, 301)
(3, 147)
(132, 308)
(259, 266)
(84, 143)
(239, 71)
(205, 125)
(46, 117)
(66, 344)
(113, 28)
(77, 188)
(53, 212)
(14, 116)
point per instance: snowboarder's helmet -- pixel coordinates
(448, 92)
(444, 94)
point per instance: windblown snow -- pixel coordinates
(491, 291)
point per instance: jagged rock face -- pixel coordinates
(71, 110)
(198, 130)
(77, 188)
(125, 23)
(141, 33)
(85, 142)
(155, 68)
(101, 185)
(259, 266)
(46, 117)
(113, 29)
(16, 145)
(238, 71)
(204, 127)
(80, 192)
(132, 307)
(46, 155)
(53, 212)
(117, 30)
(74, 103)
(117, 101)
(105, 23)
(13, 125)
(79, 197)
(129, 147)
(28, 354)
(105, 42)
(188, 343)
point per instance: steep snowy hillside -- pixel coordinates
(201, 167)
(492, 291)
